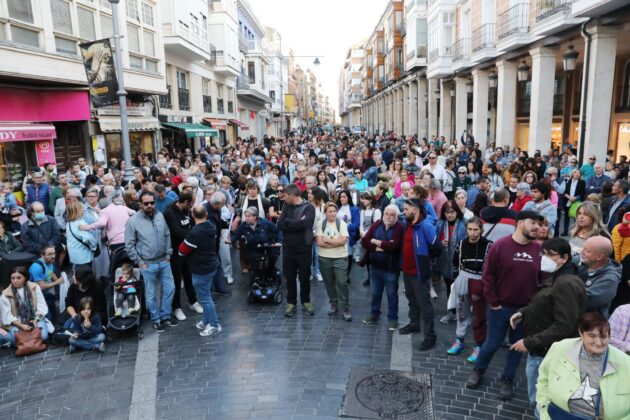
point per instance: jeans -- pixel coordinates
(296, 265)
(315, 264)
(51, 302)
(498, 326)
(159, 273)
(43, 328)
(7, 339)
(384, 280)
(89, 343)
(371, 174)
(335, 279)
(217, 281)
(420, 305)
(203, 286)
(531, 371)
(180, 271)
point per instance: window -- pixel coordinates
(149, 43)
(272, 95)
(105, 4)
(132, 10)
(135, 62)
(181, 79)
(3, 36)
(151, 66)
(86, 23)
(62, 21)
(24, 36)
(219, 90)
(194, 23)
(205, 86)
(421, 32)
(65, 46)
(20, 10)
(271, 68)
(147, 14)
(251, 72)
(133, 38)
(107, 27)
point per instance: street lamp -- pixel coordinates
(523, 72)
(122, 96)
(493, 80)
(569, 59)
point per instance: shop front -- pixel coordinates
(222, 127)
(39, 127)
(235, 125)
(181, 133)
(555, 136)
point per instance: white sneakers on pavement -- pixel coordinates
(200, 325)
(210, 330)
(433, 293)
(196, 307)
(230, 279)
(179, 314)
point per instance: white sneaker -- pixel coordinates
(319, 277)
(179, 314)
(196, 307)
(210, 330)
(200, 325)
(433, 294)
(230, 279)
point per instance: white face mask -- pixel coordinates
(548, 265)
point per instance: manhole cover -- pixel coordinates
(388, 394)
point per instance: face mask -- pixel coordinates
(39, 216)
(547, 265)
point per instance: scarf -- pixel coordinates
(261, 209)
(23, 305)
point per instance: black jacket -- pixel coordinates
(200, 249)
(580, 190)
(179, 224)
(296, 222)
(553, 312)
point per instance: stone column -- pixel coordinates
(506, 103)
(411, 123)
(422, 109)
(396, 110)
(600, 90)
(433, 109)
(404, 126)
(480, 108)
(445, 111)
(461, 106)
(541, 109)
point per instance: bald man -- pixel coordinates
(600, 272)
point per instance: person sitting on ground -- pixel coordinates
(600, 273)
(45, 273)
(85, 329)
(83, 284)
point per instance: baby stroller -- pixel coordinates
(134, 318)
(265, 278)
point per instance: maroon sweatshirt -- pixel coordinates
(511, 274)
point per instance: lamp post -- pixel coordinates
(569, 59)
(523, 72)
(122, 96)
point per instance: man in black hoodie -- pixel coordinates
(296, 222)
(498, 220)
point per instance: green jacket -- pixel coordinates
(559, 378)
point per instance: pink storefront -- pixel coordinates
(41, 126)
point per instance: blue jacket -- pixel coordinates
(34, 236)
(76, 326)
(264, 232)
(42, 195)
(594, 184)
(473, 191)
(423, 238)
(81, 244)
(353, 228)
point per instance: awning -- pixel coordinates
(216, 123)
(112, 124)
(26, 132)
(240, 124)
(193, 130)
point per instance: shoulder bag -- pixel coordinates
(96, 251)
(29, 342)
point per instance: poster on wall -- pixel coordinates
(98, 146)
(45, 152)
(98, 61)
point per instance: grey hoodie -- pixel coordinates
(147, 240)
(601, 286)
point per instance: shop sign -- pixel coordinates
(45, 151)
(133, 109)
(98, 61)
(624, 128)
(175, 119)
(30, 133)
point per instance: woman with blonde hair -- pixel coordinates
(588, 223)
(81, 244)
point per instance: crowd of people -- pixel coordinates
(531, 250)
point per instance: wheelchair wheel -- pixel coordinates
(277, 298)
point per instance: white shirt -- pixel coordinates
(5, 306)
(437, 170)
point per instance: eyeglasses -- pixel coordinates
(462, 173)
(148, 203)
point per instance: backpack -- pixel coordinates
(337, 223)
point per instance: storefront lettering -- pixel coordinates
(624, 128)
(8, 135)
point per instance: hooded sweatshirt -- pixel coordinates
(498, 222)
(296, 222)
(601, 286)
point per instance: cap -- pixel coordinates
(529, 214)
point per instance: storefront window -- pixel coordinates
(141, 142)
(15, 159)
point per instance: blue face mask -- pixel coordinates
(39, 216)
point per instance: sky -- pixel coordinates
(323, 28)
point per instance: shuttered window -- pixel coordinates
(135, 62)
(149, 43)
(107, 27)
(105, 4)
(62, 20)
(86, 23)
(152, 66)
(24, 36)
(133, 38)
(21, 10)
(147, 14)
(66, 46)
(132, 10)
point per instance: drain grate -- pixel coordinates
(388, 394)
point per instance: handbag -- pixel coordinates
(573, 208)
(29, 342)
(96, 251)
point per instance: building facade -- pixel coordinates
(350, 87)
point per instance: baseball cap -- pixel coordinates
(529, 214)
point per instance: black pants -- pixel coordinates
(180, 270)
(297, 265)
(420, 305)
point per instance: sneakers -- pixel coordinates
(100, 348)
(456, 348)
(196, 307)
(290, 310)
(433, 293)
(118, 312)
(474, 379)
(370, 319)
(449, 317)
(427, 344)
(229, 279)
(179, 314)
(210, 330)
(333, 310)
(392, 325)
(408, 329)
(200, 325)
(475, 354)
(170, 322)
(158, 327)
(507, 390)
(308, 309)
(347, 316)
(319, 277)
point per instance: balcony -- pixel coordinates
(207, 104)
(242, 82)
(226, 64)
(440, 62)
(181, 41)
(461, 49)
(184, 99)
(165, 100)
(483, 37)
(553, 16)
(242, 43)
(548, 8)
(514, 20)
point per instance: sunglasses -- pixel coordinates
(148, 203)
